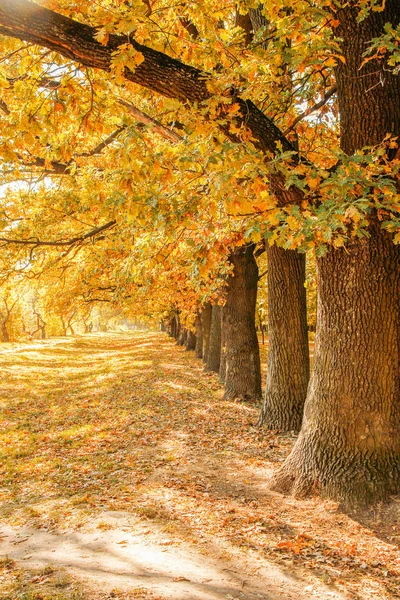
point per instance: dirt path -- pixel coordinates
(134, 555)
(121, 463)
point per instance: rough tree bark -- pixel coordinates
(206, 327)
(190, 340)
(222, 364)
(199, 337)
(182, 337)
(349, 445)
(214, 349)
(288, 353)
(242, 372)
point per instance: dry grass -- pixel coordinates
(39, 584)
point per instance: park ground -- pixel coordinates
(125, 474)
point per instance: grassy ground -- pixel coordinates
(129, 422)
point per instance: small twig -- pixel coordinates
(262, 275)
(312, 109)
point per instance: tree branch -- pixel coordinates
(190, 27)
(71, 242)
(262, 275)
(156, 126)
(100, 147)
(4, 107)
(59, 168)
(328, 94)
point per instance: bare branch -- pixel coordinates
(328, 94)
(262, 275)
(59, 168)
(158, 127)
(100, 147)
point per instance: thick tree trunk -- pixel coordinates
(222, 363)
(349, 445)
(183, 337)
(174, 326)
(206, 327)
(214, 350)
(199, 337)
(242, 373)
(177, 328)
(288, 353)
(190, 340)
(5, 337)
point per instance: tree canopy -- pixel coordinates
(234, 142)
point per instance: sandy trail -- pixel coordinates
(136, 554)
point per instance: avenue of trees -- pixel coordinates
(165, 159)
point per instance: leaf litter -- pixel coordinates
(129, 423)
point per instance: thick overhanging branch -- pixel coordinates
(158, 72)
(60, 243)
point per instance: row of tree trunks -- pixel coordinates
(226, 337)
